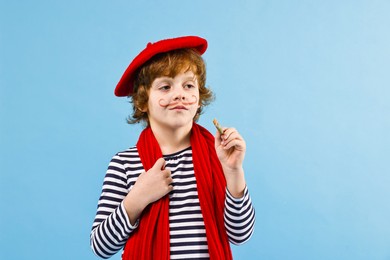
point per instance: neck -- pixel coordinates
(172, 140)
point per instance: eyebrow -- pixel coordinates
(190, 79)
(194, 78)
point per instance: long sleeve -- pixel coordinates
(111, 227)
(239, 217)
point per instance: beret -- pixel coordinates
(126, 83)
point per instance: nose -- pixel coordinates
(179, 95)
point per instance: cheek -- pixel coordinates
(149, 105)
(199, 101)
(163, 102)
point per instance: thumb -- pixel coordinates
(217, 139)
(159, 164)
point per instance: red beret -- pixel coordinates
(125, 84)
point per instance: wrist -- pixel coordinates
(134, 205)
(235, 182)
(233, 171)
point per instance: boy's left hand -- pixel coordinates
(230, 147)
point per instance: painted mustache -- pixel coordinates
(170, 103)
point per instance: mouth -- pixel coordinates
(178, 108)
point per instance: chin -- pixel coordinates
(182, 123)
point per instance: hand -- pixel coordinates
(149, 187)
(230, 147)
(153, 184)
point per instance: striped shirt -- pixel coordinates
(112, 228)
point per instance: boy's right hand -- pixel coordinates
(149, 187)
(155, 183)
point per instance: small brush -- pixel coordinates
(218, 126)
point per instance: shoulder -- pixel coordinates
(131, 152)
(127, 165)
(128, 158)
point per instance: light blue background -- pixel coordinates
(306, 83)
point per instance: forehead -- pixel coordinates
(184, 75)
(171, 69)
(188, 74)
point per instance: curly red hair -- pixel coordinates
(168, 64)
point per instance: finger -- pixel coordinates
(229, 136)
(228, 132)
(170, 188)
(219, 137)
(166, 173)
(169, 184)
(159, 164)
(169, 181)
(236, 143)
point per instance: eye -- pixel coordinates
(164, 88)
(189, 86)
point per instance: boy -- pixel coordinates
(179, 193)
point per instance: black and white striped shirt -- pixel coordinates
(112, 228)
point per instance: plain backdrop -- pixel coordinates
(307, 83)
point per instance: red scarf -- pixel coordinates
(151, 239)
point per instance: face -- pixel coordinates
(173, 102)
